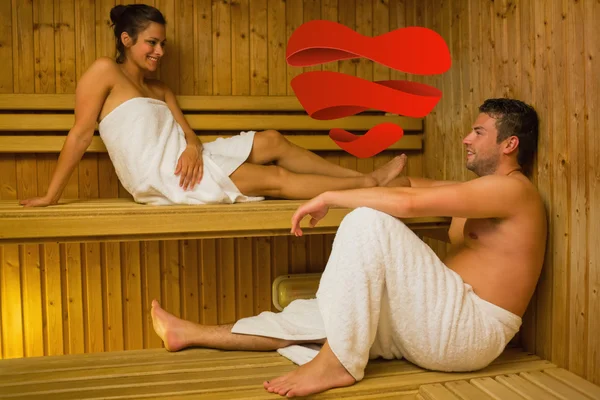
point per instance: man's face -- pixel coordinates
(483, 153)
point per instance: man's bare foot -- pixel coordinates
(322, 373)
(169, 328)
(389, 171)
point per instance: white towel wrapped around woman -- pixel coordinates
(385, 293)
(144, 143)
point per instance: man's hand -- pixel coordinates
(190, 166)
(316, 208)
(37, 202)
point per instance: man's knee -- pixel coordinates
(366, 216)
(371, 220)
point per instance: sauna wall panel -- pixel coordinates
(544, 53)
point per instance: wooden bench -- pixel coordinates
(212, 374)
(39, 124)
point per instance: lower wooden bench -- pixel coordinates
(122, 219)
(212, 374)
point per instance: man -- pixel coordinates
(384, 293)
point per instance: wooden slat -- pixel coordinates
(436, 392)
(226, 281)
(240, 45)
(592, 93)
(259, 72)
(578, 310)
(221, 27)
(209, 282)
(53, 144)
(293, 11)
(6, 50)
(185, 10)
(527, 85)
(169, 66)
(574, 381)
(524, 388)
(262, 274)
(151, 282)
(66, 102)
(276, 44)
(64, 18)
(23, 47)
(212, 122)
(496, 390)
(202, 53)
(553, 386)
(466, 391)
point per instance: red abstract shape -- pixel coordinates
(330, 95)
(415, 50)
(378, 138)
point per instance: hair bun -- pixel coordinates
(116, 12)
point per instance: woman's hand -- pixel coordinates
(190, 166)
(316, 208)
(37, 202)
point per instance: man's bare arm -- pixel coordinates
(426, 182)
(486, 197)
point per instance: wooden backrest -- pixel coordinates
(37, 123)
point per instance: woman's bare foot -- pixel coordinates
(323, 373)
(389, 171)
(169, 328)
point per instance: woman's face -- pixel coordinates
(149, 47)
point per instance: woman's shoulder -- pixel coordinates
(101, 73)
(105, 64)
(102, 69)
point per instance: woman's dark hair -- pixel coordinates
(132, 19)
(515, 118)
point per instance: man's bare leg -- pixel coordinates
(322, 373)
(178, 334)
(275, 181)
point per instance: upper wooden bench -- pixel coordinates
(39, 124)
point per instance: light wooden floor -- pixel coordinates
(211, 374)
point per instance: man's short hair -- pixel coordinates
(515, 118)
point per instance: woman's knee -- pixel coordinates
(272, 138)
(275, 179)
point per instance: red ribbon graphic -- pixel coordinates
(330, 95)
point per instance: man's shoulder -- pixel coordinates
(516, 187)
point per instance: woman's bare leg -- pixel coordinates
(272, 147)
(275, 181)
(178, 334)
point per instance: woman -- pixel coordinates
(158, 157)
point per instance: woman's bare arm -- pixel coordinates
(190, 136)
(190, 166)
(92, 90)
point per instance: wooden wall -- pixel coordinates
(76, 298)
(547, 54)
